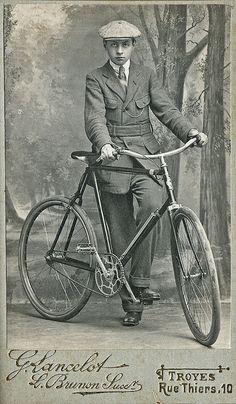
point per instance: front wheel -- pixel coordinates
(196, 276)
(56, 276)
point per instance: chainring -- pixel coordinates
(110, 284)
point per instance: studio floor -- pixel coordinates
(98, 325)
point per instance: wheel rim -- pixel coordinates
(195, 279)
(55, 288)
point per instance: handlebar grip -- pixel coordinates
(76, 154)
(114, 154)
(99, 159)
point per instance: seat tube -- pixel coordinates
(81, 188)
(101, 214)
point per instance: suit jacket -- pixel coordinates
(106, 104)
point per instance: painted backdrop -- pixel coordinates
(49, 49)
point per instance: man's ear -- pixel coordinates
(104, 43)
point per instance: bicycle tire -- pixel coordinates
(195, 276)
(52, 287)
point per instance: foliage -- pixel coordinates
(9, 23)
(49, 48)
(39, 134)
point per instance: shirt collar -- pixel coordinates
(116, 67)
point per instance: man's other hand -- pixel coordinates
(108, 152)
(201, 138)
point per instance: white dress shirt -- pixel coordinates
(126, 67)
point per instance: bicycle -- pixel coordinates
(60, 262)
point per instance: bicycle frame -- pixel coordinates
(60, 221)
(150, 222)
(169, 205)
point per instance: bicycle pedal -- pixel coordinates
(85, 249)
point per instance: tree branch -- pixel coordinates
(227, 112)
(159, 22)
(132, 11)
(227, 47)
(199, 97)
(116, 12)
(194, 24)
(190, 41)
(166, 13)
(228, 64)
(194, 52)
(149, 36)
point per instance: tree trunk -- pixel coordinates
(172, 63)
(213, 168)
(171, 72)
(11, 213)
(173, 75)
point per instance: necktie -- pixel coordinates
(122, 78)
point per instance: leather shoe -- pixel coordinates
(132, 318)
(146, 295)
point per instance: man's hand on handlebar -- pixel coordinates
(108, 153)
(201, 138)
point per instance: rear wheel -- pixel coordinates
(196, 276)
(56, 277)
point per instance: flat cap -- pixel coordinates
(119, 29)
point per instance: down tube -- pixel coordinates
(143, 232)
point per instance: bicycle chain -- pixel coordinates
(121, 278)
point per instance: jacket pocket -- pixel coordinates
(110, 103)
(143, 102)
(151, 143)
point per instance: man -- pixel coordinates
(117, 101)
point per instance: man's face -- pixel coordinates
(119, 50)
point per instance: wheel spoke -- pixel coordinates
(56, 290)
(201, 303)
(194, 272)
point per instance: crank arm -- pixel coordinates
(88, 249)
(100, 263)
(127, 285)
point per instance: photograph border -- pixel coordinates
(141, 366)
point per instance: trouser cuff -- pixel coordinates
(139, 282)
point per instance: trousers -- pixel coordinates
(124, 220)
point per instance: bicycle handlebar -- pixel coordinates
(83, 155)
(159, 155)
(153, 156)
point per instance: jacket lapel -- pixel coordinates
(134, 78)
(112, 81)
